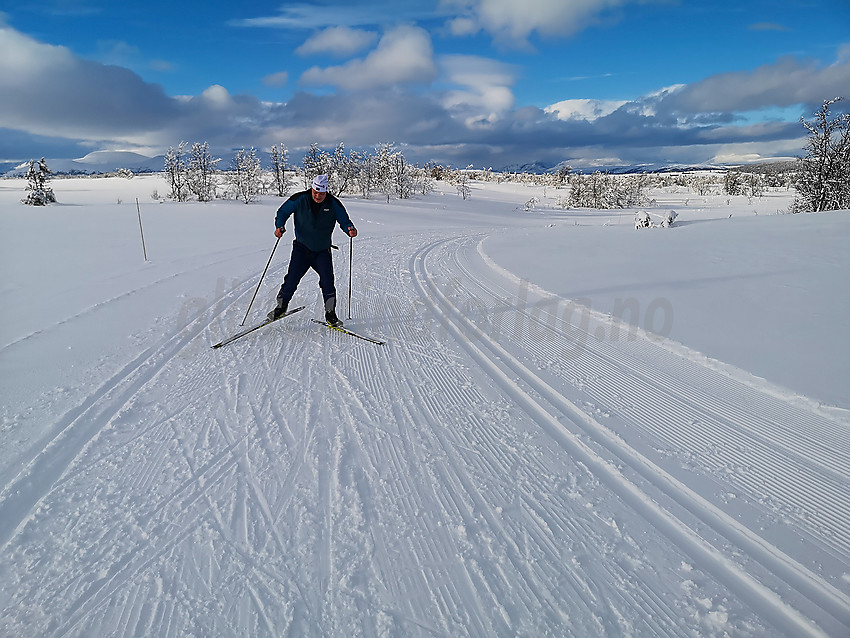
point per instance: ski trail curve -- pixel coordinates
(524, 384)
(477, 476)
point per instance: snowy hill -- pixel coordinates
(98, 162)
(540, 167)
(101, 162)
(575, 428)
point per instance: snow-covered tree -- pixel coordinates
(563, 174)
(461, 182)
(669, 218)
(733, 183)
(401, 175)
(754, 185)
(177, 172)
(604, 191)
(823, 179)
(383, 173)
(245, 176)
(642, 220)
(423, 183)
(38, 192)
(367, 174)
(280, 162)
(344, 169)
(315, 162)
(201, 178)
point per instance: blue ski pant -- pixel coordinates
(301, 260)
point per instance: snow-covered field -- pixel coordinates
(514, 462)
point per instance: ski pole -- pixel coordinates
(141, 230)
(350, 261)
(261, 281)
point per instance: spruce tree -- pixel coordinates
(39, 193)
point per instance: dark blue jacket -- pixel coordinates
(313, 229)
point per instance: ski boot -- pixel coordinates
(332, 319)
(330, 313)
(278, 311)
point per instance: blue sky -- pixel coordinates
(481, 82)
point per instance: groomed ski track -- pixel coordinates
(507, 465)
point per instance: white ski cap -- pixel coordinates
(320, 183)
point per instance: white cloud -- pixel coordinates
(583, 109)
(21, 56)
(512, 22)
(403, 55)
(217, 97)
(786, 82)
(485, 94)
(50, 96)
(339, 41)
(48, 91)
(311, 14)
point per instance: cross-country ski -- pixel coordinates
(344, 330)
(241, 334)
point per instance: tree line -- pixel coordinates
(821, 178)
(194, 173)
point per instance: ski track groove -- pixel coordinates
(317, 485)
(730, 427)
(821, 593)
(59, 449)
(80, 428)
(443, 382)
(197, 486)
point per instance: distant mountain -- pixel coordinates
(100, 162)
(537, 168)
(95, 163)
(656, 168)
(540, 168)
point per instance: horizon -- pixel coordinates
(96, 164)
(456, 82)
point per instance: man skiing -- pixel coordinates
(316, 212)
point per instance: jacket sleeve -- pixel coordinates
(285, 211)
(342, 216)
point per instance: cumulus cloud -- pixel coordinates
(468, 115)
(583, 109)
(217, 97)
(787, 81)
(485, 92)
(48, 91)
(51, 94)
(340, 41)
(512, 22)
(404, 55)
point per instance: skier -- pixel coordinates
(316, 211)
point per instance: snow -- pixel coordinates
(514, 461)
